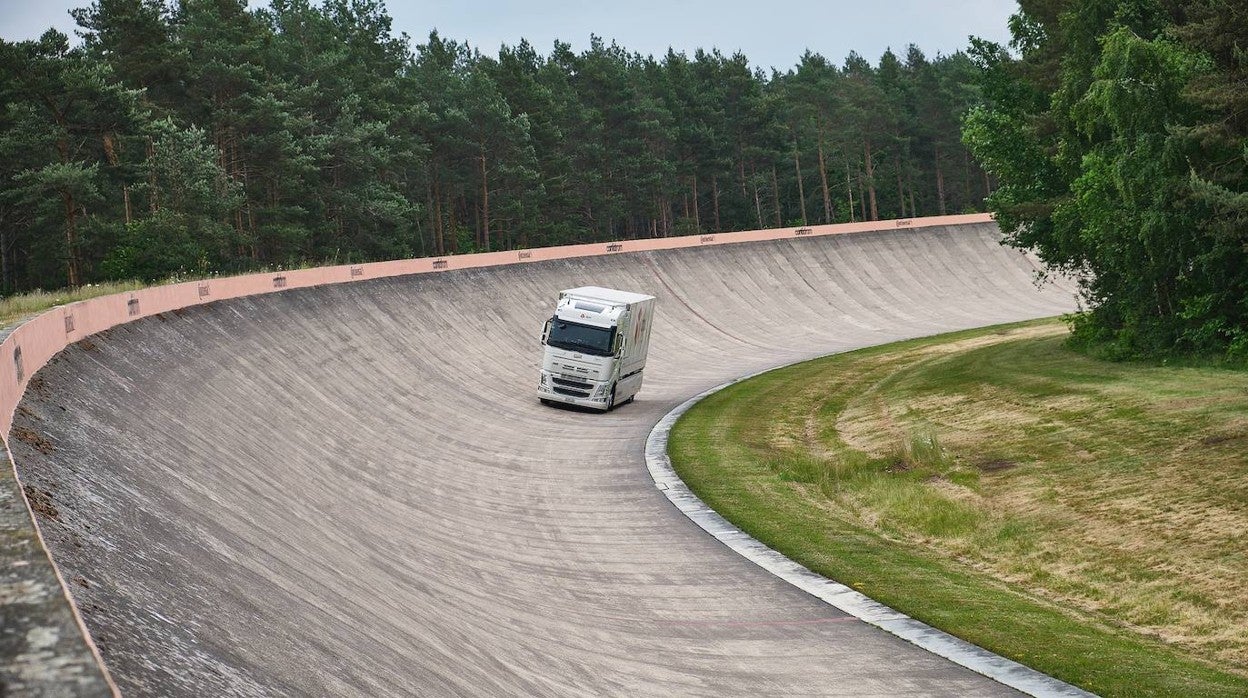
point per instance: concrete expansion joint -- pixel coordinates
(1005, 671)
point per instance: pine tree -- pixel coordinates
(66, 116)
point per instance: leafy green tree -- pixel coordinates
(1219, 175)
(542, 207)
(438, 72)
(816, 102)
(202, 135)
(1109, 171)
(64, 115)
(1132, 196)
(715, 147)
(342, 75)
(184, 231)
(136, 39)
(498, 143)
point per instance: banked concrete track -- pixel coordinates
(353, 490)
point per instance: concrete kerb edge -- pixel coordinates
(855, 603)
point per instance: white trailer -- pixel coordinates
(594, 348)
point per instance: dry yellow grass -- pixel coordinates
(1125, 496)
(1081, 517)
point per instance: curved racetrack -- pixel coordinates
(353, 490)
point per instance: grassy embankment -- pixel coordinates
(1088, 519)
(20, 306)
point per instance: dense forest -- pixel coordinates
(200, 136)
(1118, 130)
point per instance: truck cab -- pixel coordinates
(594, 347)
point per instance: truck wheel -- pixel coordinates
(611, 400)
(544, 401)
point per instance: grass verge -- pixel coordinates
(20, 306)
(1081, 517)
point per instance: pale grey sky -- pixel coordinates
(771, 33)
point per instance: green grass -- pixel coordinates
(21, 306)
(1084, 518)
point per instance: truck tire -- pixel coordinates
(545, 401)
(611, 400)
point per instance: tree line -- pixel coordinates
(1119, 132)
(201, 136)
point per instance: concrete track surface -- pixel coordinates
(353, 490)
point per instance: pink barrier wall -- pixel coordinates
(34, 343)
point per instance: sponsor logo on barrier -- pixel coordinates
(279, 282)
(706, 238)
(615, 247)
(203, 290)
(526, 255)
(803, 231)
(69, 324)
(132, 307)
(17, 364)
(902, 224)
(357, 271)
(439, 264)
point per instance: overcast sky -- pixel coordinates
(771, 33)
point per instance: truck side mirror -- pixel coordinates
(618, 344)
(545, 332)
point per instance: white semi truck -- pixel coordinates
(594, 348)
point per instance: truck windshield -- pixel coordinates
(582, 338)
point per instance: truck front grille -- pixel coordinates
(572, 387)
